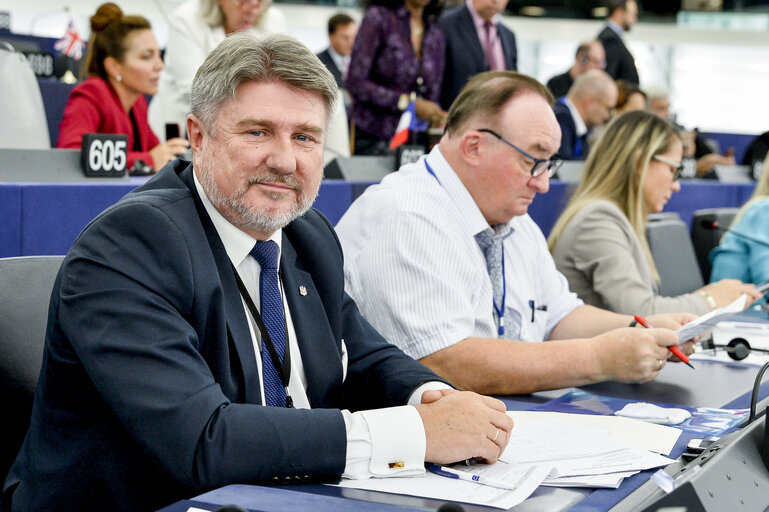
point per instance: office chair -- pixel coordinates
(705, 237)
(25, 291)
(674, 256)
(653, 217)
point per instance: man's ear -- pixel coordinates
(195, 132)
(470, 147)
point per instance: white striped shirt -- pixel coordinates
(415, 270)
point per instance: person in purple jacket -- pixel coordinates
(399, 50)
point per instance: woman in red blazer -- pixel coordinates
(122, 65)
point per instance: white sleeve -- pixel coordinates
(387, 442)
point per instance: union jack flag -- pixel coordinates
(71, 44)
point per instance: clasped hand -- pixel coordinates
(460, 425)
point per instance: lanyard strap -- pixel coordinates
(284, 370)
(501, 309)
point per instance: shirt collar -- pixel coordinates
(579, 124)
(336, 57)
(615, 27)
(470, 216)
(237, 243)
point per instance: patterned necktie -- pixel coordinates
(266, 253)
(490, 240)
(489, 48)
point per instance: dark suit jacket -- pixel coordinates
(148, 390)
(325, 58)
(559, 85)
(569, 134)
(464, 54)
(620, 63)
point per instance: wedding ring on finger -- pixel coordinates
(496, 435)
(662, 363)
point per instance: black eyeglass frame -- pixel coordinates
(676, 169)
(553, 164)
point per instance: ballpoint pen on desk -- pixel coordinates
(676, 351)
(469, 477)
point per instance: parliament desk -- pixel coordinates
(45, 217)
(712, 384)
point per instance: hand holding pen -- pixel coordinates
(673, 348)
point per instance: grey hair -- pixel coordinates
(244, 57)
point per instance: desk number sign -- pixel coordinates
(104, 155)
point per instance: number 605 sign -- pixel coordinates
(104, 154)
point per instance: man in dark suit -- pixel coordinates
(476, 41)
(587, 105)
(161, 378)
(341, 36)
(590, 55)
(620, 64)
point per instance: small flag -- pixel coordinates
(71, 44)
(408, 122)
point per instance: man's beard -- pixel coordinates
(243, 216)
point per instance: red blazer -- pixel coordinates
(94, 107)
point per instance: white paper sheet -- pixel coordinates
(448, 489)
(708, 321)
(647, 436)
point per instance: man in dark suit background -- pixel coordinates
(587, 105)
(476, 41)
(161, 378)
(620, 64)
(590, 55)
(341, 36)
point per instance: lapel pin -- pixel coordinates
(302, 290)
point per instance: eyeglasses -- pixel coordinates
(540, 164)
(675, 167)
(243, 3)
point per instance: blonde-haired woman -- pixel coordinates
(599, 242)
(741, 255)
(195, 28)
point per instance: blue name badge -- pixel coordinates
(104, 155)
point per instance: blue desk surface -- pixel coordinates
(45, 218)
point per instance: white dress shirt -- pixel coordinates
(374, 438)
(579, 125)
(414, 268)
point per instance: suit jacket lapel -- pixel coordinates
(237, 323)
(321, 353)
(507, 47)
(468, 32)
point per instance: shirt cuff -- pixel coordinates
(416, 395)
(384, 443)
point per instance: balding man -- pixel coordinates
(590, 55)
(588, 104)
(442, 258)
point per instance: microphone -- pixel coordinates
(715, 226)
(451, 507)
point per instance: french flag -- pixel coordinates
(408, 122)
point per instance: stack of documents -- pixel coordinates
(582, 455)
(545, 448)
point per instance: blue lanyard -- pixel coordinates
(501, 309)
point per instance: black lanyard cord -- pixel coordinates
(284, 369)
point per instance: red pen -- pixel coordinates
(676, 351)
